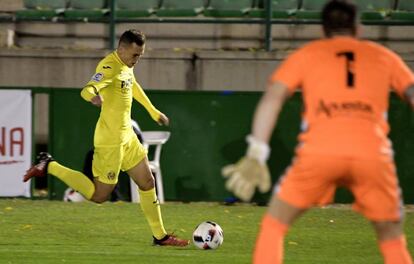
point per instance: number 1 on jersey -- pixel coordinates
(350, 57)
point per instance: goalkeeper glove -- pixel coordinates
(249, 172)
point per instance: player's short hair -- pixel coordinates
(339, 16)
(133, 36)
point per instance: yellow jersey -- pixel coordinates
(115, 82)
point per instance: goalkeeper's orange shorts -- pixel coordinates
(312, 180)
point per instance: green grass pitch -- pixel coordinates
(57, 232)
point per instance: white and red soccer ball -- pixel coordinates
(71, 195)
(208, 235)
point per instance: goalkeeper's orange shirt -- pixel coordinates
(345, 84)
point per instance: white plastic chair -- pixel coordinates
(157, 139)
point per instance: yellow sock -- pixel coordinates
(75, 179)
(151, 208)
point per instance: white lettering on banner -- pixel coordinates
(15, 141)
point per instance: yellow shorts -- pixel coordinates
(108, 161)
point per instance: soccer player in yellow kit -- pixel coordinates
(116, 147)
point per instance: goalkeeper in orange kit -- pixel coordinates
(345, 83)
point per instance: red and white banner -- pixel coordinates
(15, 141)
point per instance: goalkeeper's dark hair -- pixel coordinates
(133, 36)
(339, 17)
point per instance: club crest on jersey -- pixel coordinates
(111, 175)
(98, 77)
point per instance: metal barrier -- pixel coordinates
(267, 21)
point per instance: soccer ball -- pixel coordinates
(208, 235)
(71, 195)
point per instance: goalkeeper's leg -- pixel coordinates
(392, 242)
(275, 224)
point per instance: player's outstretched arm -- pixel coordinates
(139, 95)
(267, 111)
(251, 170)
